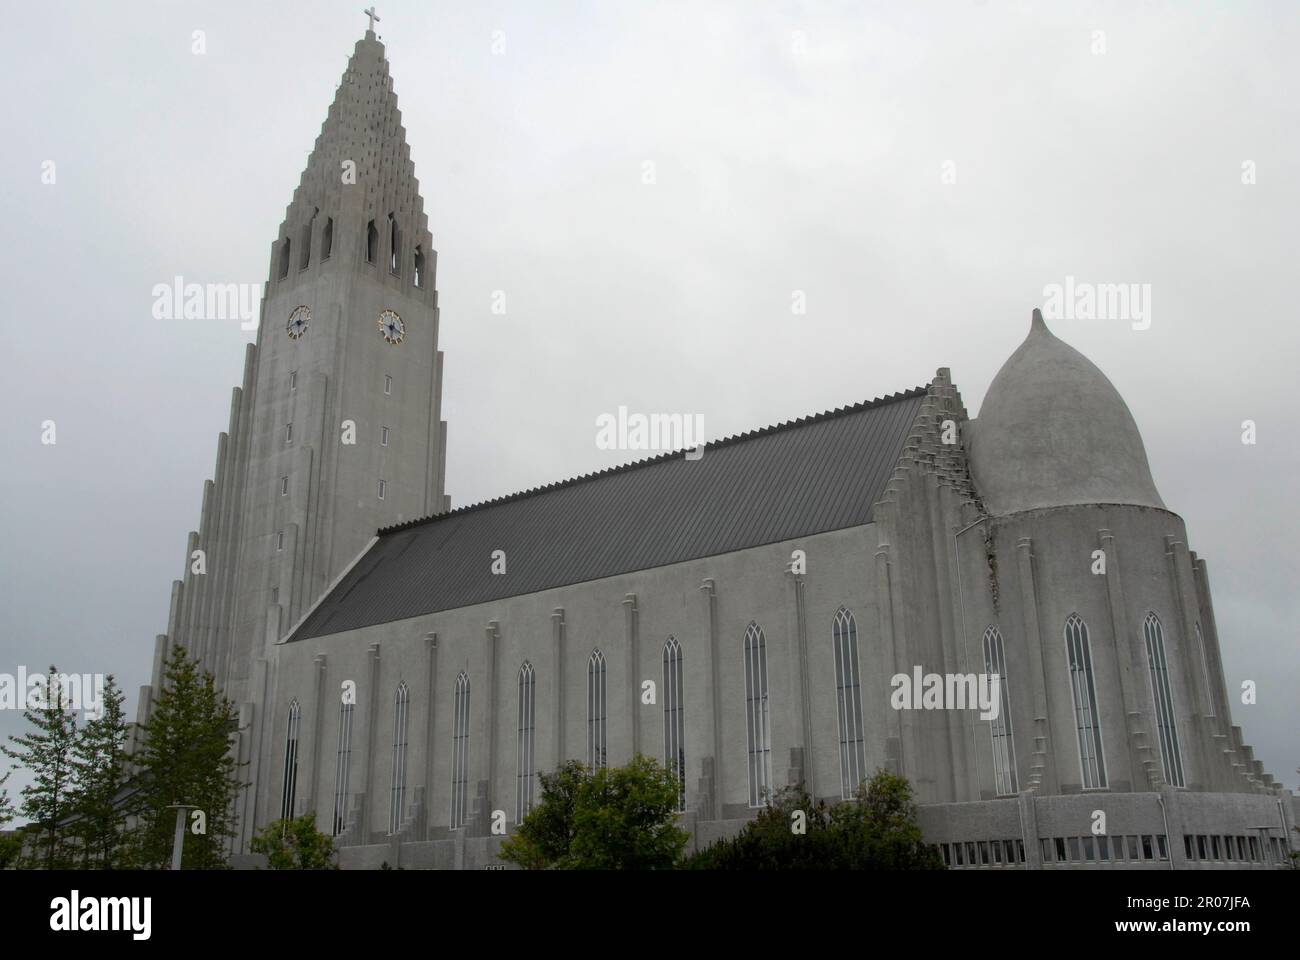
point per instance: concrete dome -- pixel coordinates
(1053, 431)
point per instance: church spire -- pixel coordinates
(360, 169)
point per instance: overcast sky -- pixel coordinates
(794, 147)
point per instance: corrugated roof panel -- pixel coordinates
(814, 475)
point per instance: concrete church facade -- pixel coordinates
(408, 685)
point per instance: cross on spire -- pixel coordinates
(373, 17)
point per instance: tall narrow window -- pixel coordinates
(388, 385)
(1205, 668)
(674, 718)
(284, 486)
(293, 380)
(394, 246)
(401, 708)
(288, 433)
(284, 258)
(372, 241)
(526, 761)
(383, 437)
(597, 742)
(290, 762)
(327, 239)
(756, 717)
(419, 266)
(460, 752)
(853, 757)
(342, 764)
(1087, 723)
(1170, 754)
(279, 540)
(1004, 751)
(383, 489)
(304, 256)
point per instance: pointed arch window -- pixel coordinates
(401, 710)
(597, 716)
(342, 766)
(460, 752)
(1170, 754)
(372, 242)
(284, 258)
(1005, 781)
(288, 796)
(327, 239)
(1083, 689)
(757, 724)
(848, 687)
(1205, 668)
(674, 718)
(419, 266)
(526, 760)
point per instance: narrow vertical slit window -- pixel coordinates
(383, 437)
(526, 760)
(304, 254)
(1205, 669)
(288, 433)
(288, 796)
(293, 380)
(1170, 754)
(757, 724)
(327, 239)
(419, 266)
(674, 718)
(372, 242)
(848, 688)
(1005, 781)
(394, 247)
(342, 764)
(284, 258)
(1092, 762)
(383, 489)
(401, 710)
(284, 486)
(388, 385)
(597, 732)
(460, 752)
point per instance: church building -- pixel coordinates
(767, 610)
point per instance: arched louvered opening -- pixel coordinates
(526, 759)
(460, 752)
(401, 710)
(1171, 754)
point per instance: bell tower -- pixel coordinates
(336, 430)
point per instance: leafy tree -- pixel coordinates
(47, 753)
(186, 759)
(296, 844)
(99, 775)
(11, 844)
(622, 818)
(877, 830)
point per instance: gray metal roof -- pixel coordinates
(791, 480)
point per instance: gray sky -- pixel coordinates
(796, 146)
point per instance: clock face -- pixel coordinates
(298, 321)
(392, 327)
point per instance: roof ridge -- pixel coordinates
(647, 461)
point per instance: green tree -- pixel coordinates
(877, 830)
(296, 845)
(11, 844)
(186, 759)
(621, 818)
(99, 775)
(47, 753)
